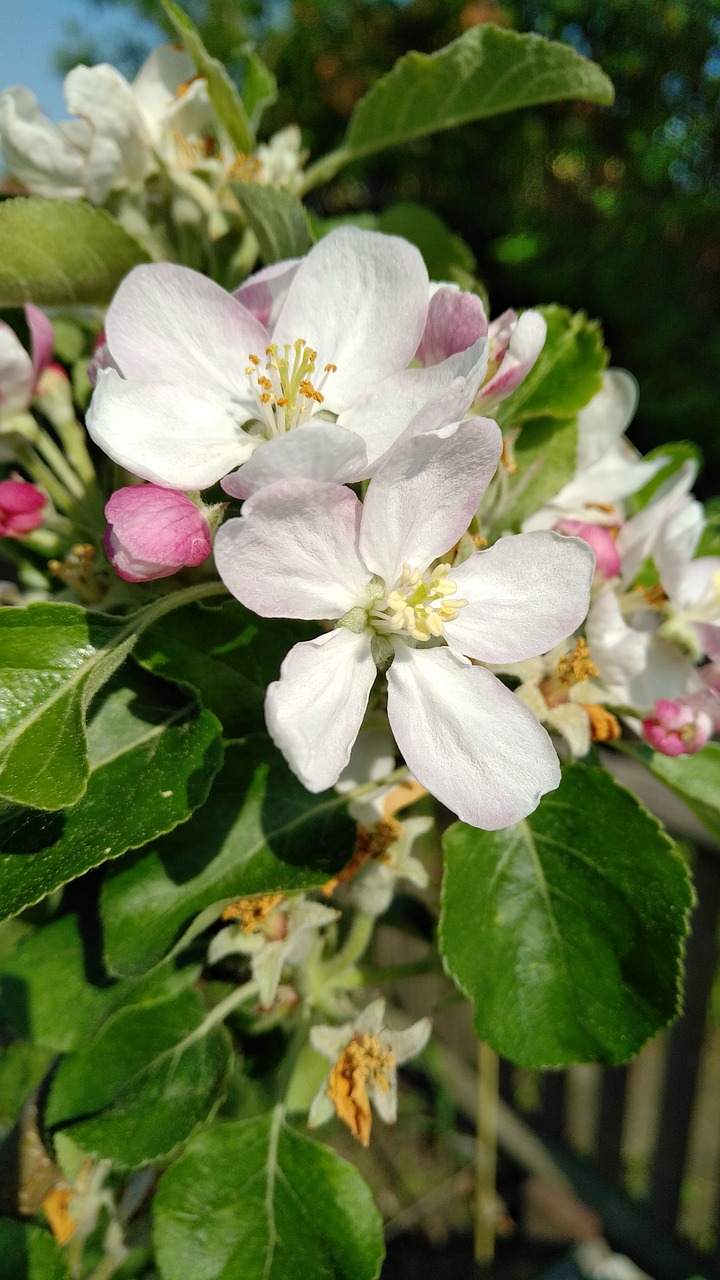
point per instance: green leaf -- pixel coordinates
(22, 1067)
(58, 958)
(259, 87)
(153, 753)
(567, 930)
(226, 101)
(61, 251)
(567, 373)
(695, 779)
(677, 453)
(282, 1205)
(446, 254)
(29, 1253)
(485, 72)
(278, 220)
(152, 1075)
(260, 832)
(226, 654)
(545, 454)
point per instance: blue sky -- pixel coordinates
(32, 29)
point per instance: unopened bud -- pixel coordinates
(599, 539)
(153, 532)
(21, 507)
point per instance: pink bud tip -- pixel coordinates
(677, 728)
(599, 539)
(153, 532)
(21, 507)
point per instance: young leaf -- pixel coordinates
(485, 72)
(567, 930)
(567, 373)
(677, 453)
(153, 753)
(281, 1205)
(260, 832)
(259, 87)
(56, 252)
(227, 103)
(545, 453)
(278, 220)
(695, 779)
(29, 1253)
(153, 1074)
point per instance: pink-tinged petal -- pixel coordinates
(455, 321)
(709, 638)
(679, 728)
(153, 532)
(423, 497)
(500, 331)
(600, 541)
(316, 451)
(170, 434)
(264, 293)
(315, 710)
(524, 347)
(525, 594)
(467, 738)
(16, 373)
(360, 299)
(293, 551)
(383, 413)
(42, 338)
(168, 323)
(21, 506)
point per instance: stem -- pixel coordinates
(42, 475)
(221, 1011)
(398, 775)
(370, 975)
(56, 459)
(356, 943)
(72, 439)
(488, 1069)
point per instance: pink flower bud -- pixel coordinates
(153, 532)
(678, 728)
(21, 506)
(599, 539)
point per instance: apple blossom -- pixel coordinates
(203, 387)
(683, 726)
(274, 932)
(153, 532)
(21, 507)
(310, 549)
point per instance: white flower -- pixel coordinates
(365, 1057)
(560, 689)
(309, 549)
(19, 372)
(273, 931)
(203, 384)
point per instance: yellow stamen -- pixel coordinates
(251, 913)
(604, 726)
(577, 666)
(363, 1059)
(371, 845)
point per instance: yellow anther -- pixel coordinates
(253, 359)
(266, 397)
(575, 667)
(330, 368)
(364, 1059)
(251, 913)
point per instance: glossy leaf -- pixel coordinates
(153, 753)
(485, 72)
(282, 1205)
(567, 373)
(29, 1253)
(567, 930)
(259, 832)
(227, 654)
(152, 1075)
(278, 220)
(226, 101)
(56, 252)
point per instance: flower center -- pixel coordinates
(418, 605)
(252, 913)
(364, 1059)
(571, 669)
(284, 390)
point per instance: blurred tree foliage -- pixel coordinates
(615, 211)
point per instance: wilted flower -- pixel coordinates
(273, 931)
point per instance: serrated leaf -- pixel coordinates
(56, 958)
(567, 930)
(56, 252)
(278, 220)
(259, 87)
(545, 456)
(152, 1075)
(260, 832)
(485, 72)
(227, 654)
(153, 753)
(29, 1253)
(695, 779)
(567, 373)
(226, 101)
(282, 1205)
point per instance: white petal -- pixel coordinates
(156, 84)
(16, 373)
(360, 299)
(267, 964)
(168, 323)
(525, 594)
(173, 435)
(678, 538)
(408, 1042)
(639, 535)
(317, 451)
(264, 293)
(314, 711)
(573, 723)
(606, 417)
(371, 1021)
(293, 551)
(330, 1041)
(389, 407)
(425, 494)
(467, 738)
(384, 1100)
(101, 95)
(37, 152)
